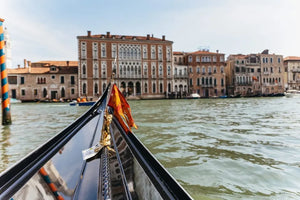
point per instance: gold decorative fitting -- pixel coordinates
(105, 137)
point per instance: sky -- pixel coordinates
(47, 29)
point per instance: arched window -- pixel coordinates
(83, 69)
(96, 88)
(153, 88)
(84, 88)
(44, 92)
(103, 87)
(63, 92)
(161, 88)
(146, 88)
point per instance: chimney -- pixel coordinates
(25, 63)
(108, 34)
(18, 66)
(152, 36)
(29, 63)
(148, 36)
(89, 33)
(68, 63)
(163, 38)
(217, 51)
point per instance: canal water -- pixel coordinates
(245, 148)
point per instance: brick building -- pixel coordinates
(142, 64)
(45, 80)
(292, 66)
(255, 74)
(206, 73)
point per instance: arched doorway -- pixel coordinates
(138, 88)
(130, 88)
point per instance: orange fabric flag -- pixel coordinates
(254, 78)
(121, 108)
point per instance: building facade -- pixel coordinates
(206, 71)
(180, 80)
(46, 80)
(255, 74)
(142, 65)
(292, 66)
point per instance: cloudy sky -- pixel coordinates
(47, 29)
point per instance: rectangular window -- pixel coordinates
(22, 80)
(113, 50)
(153, 52)
(12, 79)
(83, 50)
(191, 69)
(62, 79)
(95, 50)
(278, 60)
(191, 82)
(160, 53)
(168, 53)
(23, 92)
(72, 91)
(72, 80)
(103, 50)
(35, 92)
(145, 55)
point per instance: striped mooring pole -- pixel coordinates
(6, 117)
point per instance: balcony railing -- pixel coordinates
(181, 76)
(295, 70)
(206, 86)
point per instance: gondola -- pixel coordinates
(118, 165)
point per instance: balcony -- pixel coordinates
(244, 84)
(207, 86)
(181, 76)
(295, 70)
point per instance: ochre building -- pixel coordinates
(44, 81)
(206, 71)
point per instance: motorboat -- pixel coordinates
(292, 93)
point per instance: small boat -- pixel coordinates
(13, 100)
(87, 103)
(95, 157)
(73, 103)
(193, 96)
(292, 93)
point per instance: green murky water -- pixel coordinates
(247, 148)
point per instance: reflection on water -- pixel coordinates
(32, 125)
(245, 148)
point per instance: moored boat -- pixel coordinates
(193, 96)
(116, 164)
(292, 93)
